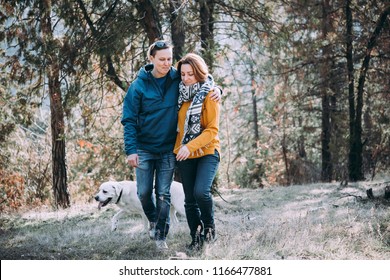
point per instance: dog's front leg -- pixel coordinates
(115, 220)
(145, 221)
(174, 218)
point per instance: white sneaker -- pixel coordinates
(152, 230)
(161, 245)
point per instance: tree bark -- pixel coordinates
(356, 145)
(254, 109)
(206, 10)
(60, 187)
(178, 34)
(352, 156)
(285, 158)
(337, 144)
(148, 13)
(327, 166)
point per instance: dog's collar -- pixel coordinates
(120, 195)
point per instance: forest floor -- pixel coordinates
(315, 221)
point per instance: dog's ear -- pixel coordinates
(116, 188)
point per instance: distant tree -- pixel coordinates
(51, 53)
(244, 66)
(149, 18)
(206, 15)
(39, 52)
(178, 27)
(310, 45)
(356, 101)
(50, 45)
(326, 129)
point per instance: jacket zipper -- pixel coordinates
(157, 87)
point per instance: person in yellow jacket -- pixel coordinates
(197, 146)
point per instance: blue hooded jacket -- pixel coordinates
(150, 113)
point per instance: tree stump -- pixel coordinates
(387, 192)
(370, 194)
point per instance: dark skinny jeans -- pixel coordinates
(197, 177)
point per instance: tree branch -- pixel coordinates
(97, 35)
(371, 44)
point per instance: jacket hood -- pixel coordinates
(145, 72)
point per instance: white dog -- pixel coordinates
(124, 195)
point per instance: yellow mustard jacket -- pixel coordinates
(208, 141)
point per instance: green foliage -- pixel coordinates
(250, 174)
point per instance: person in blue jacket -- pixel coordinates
(150, 127)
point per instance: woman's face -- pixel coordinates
(162, 62)
(187, 75)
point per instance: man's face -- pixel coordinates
(162, 62)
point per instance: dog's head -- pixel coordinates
(108, 193)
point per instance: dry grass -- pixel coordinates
(320, 221)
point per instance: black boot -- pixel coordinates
(197, 239)
(210, 235)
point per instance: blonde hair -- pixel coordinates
(197, 63)
(157, 46)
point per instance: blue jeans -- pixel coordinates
(157, 168)
(197, 177)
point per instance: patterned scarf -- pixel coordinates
(197, 93)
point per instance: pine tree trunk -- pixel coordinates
(206, 10)
(148, 12)
(254, 109)
(352, 156)
(285, 158)
(327, 166)
(356, 149)
(338, 144)
(178, 34)
(60, 187)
